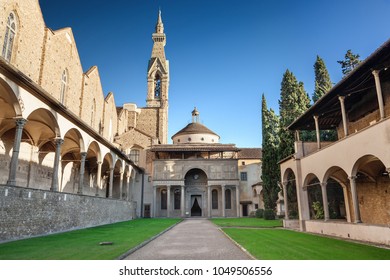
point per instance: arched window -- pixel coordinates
(177, 199)
(10, 32)
(164, 199)
(64, 85)
(214, 199)
(157, 87)
(228, 199)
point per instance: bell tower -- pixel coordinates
(158, 80)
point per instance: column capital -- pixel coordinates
(58, 141)
(99, 162)
(324, 184)
(376, 73)
(341, 98)
(315, 117)
(20, 122)
(83, 154)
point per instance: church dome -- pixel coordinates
(195, 133)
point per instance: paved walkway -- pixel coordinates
(192, 239)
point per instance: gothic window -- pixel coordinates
(157, 87)
(164, 199)
(214, 199)
(134, 156)
(177, 199)
(64, 85)
(228, 199)
(10, 32)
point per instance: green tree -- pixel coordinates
(349, 63)
(294, 101)
(270, 166)
(322, 80)
(322, 85)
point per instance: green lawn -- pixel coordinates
(84, 244)
(279, 244)
(246, 222)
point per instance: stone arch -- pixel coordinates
(314, 194)
(107, 165)
(371, 178)
(42, 129)
(195, 176)
(118, 179)
(92, 160)
(71, 150)
(290, 185)
(10, 109)
(337, 193)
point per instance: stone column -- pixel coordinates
(318, 135)
(98, 177)
(346, 202)
(379, 93)
(209, 201)
(285, 198)
(111, 182)
(344, 115)
(154, 201)
(182, 202)
(355, 199)
(168, 201)
(223, 200)
(325, 201)
(238, 201)
(82, 168)
(128, 186)
(54, 182)
(121, 185)
(20, 122)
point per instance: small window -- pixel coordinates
(256, 206)
(202, 139)
(244, 176)
(189, 139)
(9, 37)
(243, 163)
(64, 85)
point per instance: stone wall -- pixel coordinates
(28, 212)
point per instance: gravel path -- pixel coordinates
(192, 239)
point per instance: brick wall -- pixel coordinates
(28, 212)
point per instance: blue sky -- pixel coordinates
(223, 53)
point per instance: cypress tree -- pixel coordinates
(322, 85)
(322, 80)
(349, 63)
(294, 101)
(270, 166)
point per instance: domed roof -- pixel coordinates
(196, 132)
(195, 128)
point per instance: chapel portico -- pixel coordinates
(196, 176)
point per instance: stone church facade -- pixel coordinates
(70, 158)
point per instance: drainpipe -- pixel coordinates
(142, 194)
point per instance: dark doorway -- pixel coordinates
(245, 210)
(195, 209)
(147, 211)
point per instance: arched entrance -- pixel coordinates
(196, 187)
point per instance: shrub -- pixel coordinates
(269, 214)
(260, 213)
(318, 210)
(293, 214)
(252, 214)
